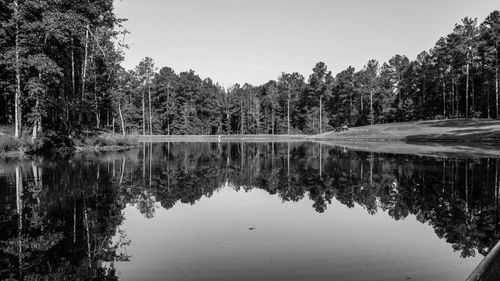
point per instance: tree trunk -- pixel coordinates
(143, 115)
(444, 98)
(424, 88)
(350, 109)
(361, 102)
(272, 120)
(97, 114)
(241, 113)
(455, 82)
(452, 98)
(150, 113)
(467, 92)
(496, 79)
(320, 114)
(121, 118)
(84, 68)
(473, 111)
(17, 97)
(372, 116)
(228, 123)
(168, 109)
(72, 68)
(288, 111)
(37, 125)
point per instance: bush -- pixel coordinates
(106, 140)
(9, 143)
(49, 141)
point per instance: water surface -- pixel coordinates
(246, 211)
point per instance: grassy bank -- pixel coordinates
(484, 131)
(446, 138)
(53, 143)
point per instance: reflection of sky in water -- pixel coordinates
(211, 240)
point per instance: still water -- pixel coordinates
(246, 211)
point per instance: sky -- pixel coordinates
(254, 41)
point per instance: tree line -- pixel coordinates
(60, 70)
(457, 78)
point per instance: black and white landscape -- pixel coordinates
(249, 140)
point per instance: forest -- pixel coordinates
(60, 71)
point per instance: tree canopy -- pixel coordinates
(59, 70)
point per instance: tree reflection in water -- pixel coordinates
(61, 219)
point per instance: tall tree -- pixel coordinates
(491, 34)
(320, 88)
(145, 71)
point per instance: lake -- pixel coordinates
(246, 211)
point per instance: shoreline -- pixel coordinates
(109, 148)
(440, 138)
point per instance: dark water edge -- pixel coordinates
(185, 211)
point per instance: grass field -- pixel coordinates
(449, 131)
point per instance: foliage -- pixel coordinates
(67, 59)
(9, 143)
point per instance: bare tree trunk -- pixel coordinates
(473, 111)
(424, 87)
(272, 119)
(488, 103)
(241, 113)
(72, 68)
(97, 114)
(150, 113)
(168, 109)
(372, 116)
(456, 94)
(320, 114)
(496, 79)
(143, 115)
(444, 98)
(288, 111)
(121, 118)
(84, 67)
(467, 92)
(37, 124)
(350, 109)
(452, 98)
(17, 97)
(228, 123)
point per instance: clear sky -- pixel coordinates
(238, 41)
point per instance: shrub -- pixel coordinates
(49, 141)
(106, 140)
(9, 143)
